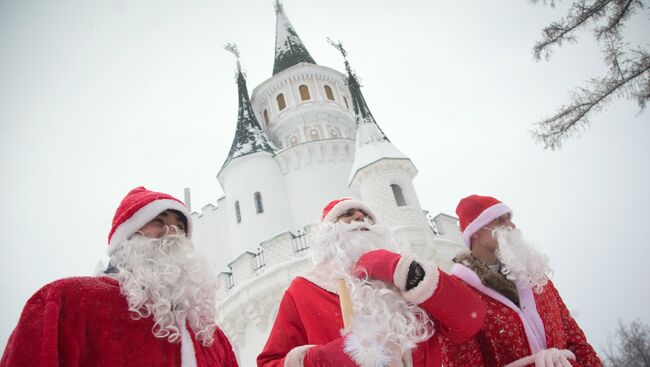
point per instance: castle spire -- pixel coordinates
(372, 144)
(361, 109)
(249, 137)
(289, 49)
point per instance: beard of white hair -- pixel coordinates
(166, 278)
(376, 306)
(521, 261)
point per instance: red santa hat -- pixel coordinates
(475, 211)
(338, 207)
(138, 208)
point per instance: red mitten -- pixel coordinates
(330, 354)
(416, 280)
(383, 265)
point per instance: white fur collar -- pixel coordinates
(321, 275)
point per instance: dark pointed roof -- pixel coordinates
(249, 137)
(289, 49)
(361, 109)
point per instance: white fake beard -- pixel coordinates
(521, 261)
(339, 245)
(377, 307)
(166, 278)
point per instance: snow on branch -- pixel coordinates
(628, 74)
(575, 116)
(563, 30)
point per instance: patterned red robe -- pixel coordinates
(512, 331)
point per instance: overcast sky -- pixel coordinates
(97, 97)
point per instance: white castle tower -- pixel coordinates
(305, 137)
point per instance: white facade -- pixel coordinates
(321, 155)
(255, 184)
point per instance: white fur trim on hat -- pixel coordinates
(143, 216)
(345, 205)
(296, 356)
(488, 215)
(427, 286)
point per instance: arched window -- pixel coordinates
(266, 118)
(259, 208)
(346, 103)
(335, 133)
(313, 134)
(304, 93)
(399, 196)
(237, 212)
(281, 103)
(293, 141)
(328, 92)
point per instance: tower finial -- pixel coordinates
(249, 137)
(232, 48)
(339, 46)
(359, 104)
(278, 6)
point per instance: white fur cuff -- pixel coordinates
(427, 286)
(363, 344)
(402, 271)
(296, 356)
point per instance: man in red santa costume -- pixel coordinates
(527, 322)
(398, 302)
(154, 306)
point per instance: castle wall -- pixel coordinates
(241, 179)
(211, 235)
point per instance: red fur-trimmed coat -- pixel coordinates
(310, 315)
(85, 321)
(512, 331)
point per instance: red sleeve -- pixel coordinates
(467, 354)
(229, 358)
(287, 333)
(40, 338)
(457, 311)
(577, 342)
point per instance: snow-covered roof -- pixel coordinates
(289, 49)
(249, 137)
(372, 146)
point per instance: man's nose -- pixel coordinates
(358, 216)
(172, 230)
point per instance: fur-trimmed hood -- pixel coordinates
(490, 278)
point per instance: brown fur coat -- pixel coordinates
(490, 278)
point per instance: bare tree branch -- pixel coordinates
(628, 73)
(571, 118)
(631, 347)
(623, 9)
(562, 30)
